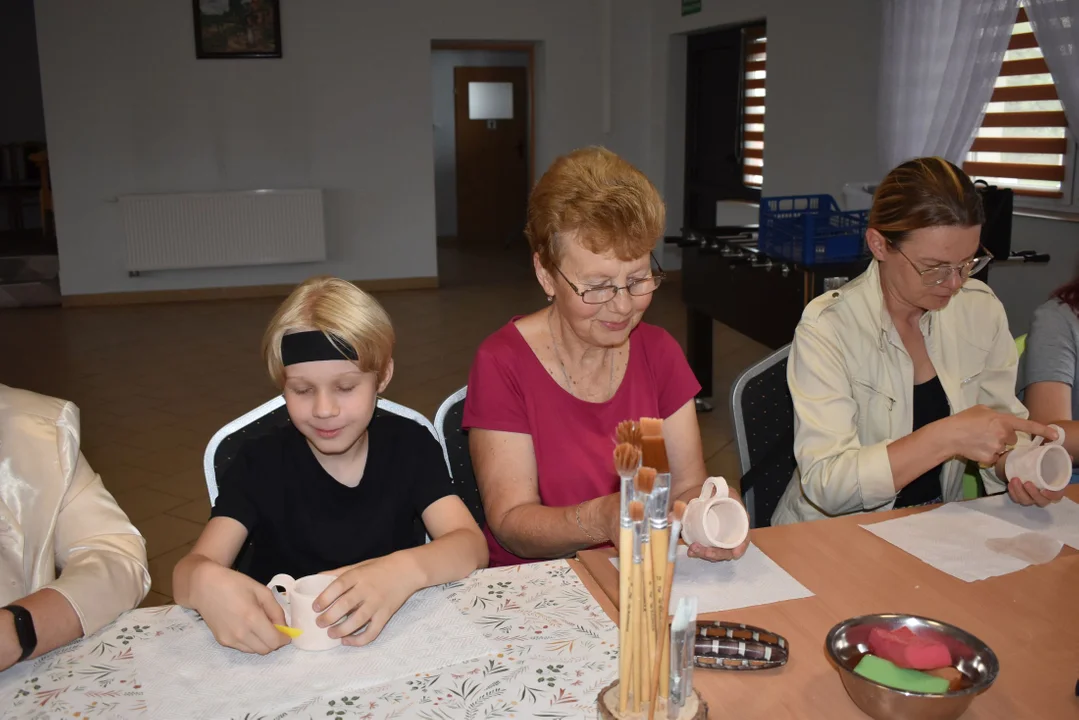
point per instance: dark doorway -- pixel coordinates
(716, 120)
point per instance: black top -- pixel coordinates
(930, 405)
(301, 521)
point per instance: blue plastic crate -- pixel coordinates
(811, 229)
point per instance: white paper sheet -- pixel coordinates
(1059, 520)
(754, 579)
(187, 674)
(953, 539)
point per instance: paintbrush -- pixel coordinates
(626, 460)
(635, 631)
(628, 431)
(651, 427)
(654, 455)
(644, 484)
(661, 679)
(683, 632)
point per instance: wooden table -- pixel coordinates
(1029, 618)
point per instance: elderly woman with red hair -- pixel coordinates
(547, 390)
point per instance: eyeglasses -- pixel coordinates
(605, 293)
(940, 274)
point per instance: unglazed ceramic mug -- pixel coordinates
(1048, 466)
(298, 604)
(715, 519)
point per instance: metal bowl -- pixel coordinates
(849, 640)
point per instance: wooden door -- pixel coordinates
(492, 161)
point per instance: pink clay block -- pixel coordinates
(906, 650)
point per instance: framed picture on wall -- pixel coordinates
(237, 28)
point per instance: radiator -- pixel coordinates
(225, 229)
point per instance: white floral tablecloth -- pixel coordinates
(558, 650)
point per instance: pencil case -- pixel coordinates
(731, 646)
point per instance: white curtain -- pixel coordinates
(940, 59)
(1056, 27)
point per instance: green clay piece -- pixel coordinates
(886, 673)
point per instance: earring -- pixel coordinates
(550, 298)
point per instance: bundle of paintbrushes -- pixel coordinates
(647, 548)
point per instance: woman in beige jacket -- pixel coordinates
(70, 561)
(909, 370)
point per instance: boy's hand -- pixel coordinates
(368, 594)
(239, 611)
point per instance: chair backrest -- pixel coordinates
(763, 416)
(454, 442)
(226, 442)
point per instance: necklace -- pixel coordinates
(562, 365)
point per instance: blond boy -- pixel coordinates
(340, 489)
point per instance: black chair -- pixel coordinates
(226, 443)
(454, 442)
(763, 418)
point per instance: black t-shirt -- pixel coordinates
(301, 521)
(930, 405)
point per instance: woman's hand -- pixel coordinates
(366, 594)
(983, 435)
(239, 611)
(603, 518)
(1027, 493)
(696, 550)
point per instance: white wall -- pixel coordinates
(130, 110)
(442, 64)
(823, 61)
(631, 64)
(22, 118)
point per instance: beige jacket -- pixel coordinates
(853, 383)
(56, 518)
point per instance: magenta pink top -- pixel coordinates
(509, 390)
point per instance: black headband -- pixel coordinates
(312, 346)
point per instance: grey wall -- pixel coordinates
(1023, 287)
(442, 64)
(348, 109)
(823, 61)
(22, 118)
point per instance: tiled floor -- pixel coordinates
(155, 382)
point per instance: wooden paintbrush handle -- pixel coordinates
(625, 569)
(661, 682)
(659, 572)
(638, 629)
(650, 621)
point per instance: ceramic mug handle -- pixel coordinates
(289, 583)
(714, 487)
(1038, 440)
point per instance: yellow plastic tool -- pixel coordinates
(290, 631)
